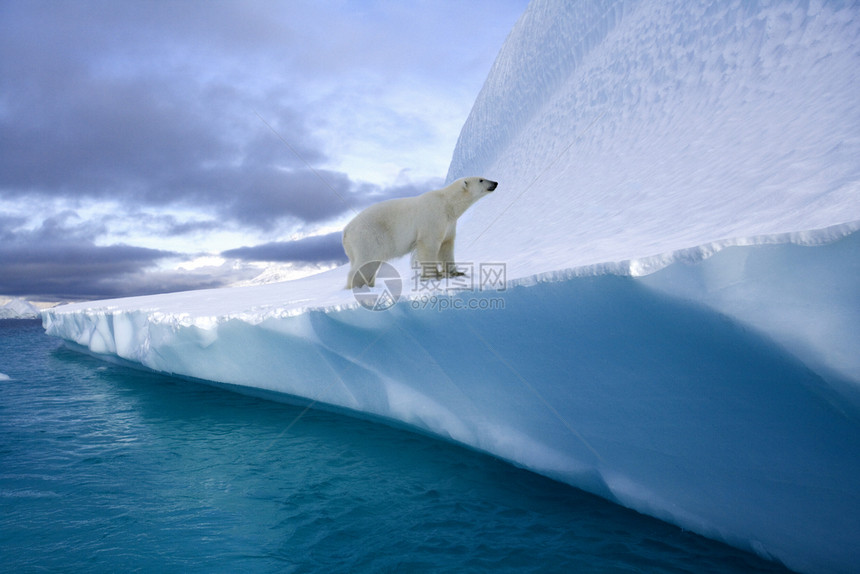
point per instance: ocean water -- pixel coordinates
(108, 469)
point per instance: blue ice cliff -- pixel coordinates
(675, 328)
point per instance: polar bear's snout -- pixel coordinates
(492, 186)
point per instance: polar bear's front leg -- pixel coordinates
(427, 259)
(446, 257)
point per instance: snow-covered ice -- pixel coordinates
(678, 221)
(18, 309)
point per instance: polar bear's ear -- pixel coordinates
(465, 185)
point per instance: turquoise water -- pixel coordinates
(109, 469)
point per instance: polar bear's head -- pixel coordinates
(463, 193)
(478, 187)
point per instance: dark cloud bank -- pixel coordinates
(61, 261)
(318, 249)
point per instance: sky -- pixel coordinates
(150, 147)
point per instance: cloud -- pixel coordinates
(148, 149)
(84, 271)
(169, 104)
(75, 271)
(262, 196)
(150, 146)
(318, 249)
(60, 259)
(94, 117)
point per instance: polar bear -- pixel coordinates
(424, 225)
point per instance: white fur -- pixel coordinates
(424, 225)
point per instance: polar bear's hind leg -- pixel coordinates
(363, 275)
(361, 271)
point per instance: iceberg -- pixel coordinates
(663, 291)
(19, 309)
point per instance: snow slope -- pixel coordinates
(678, 219)
(662, 126)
